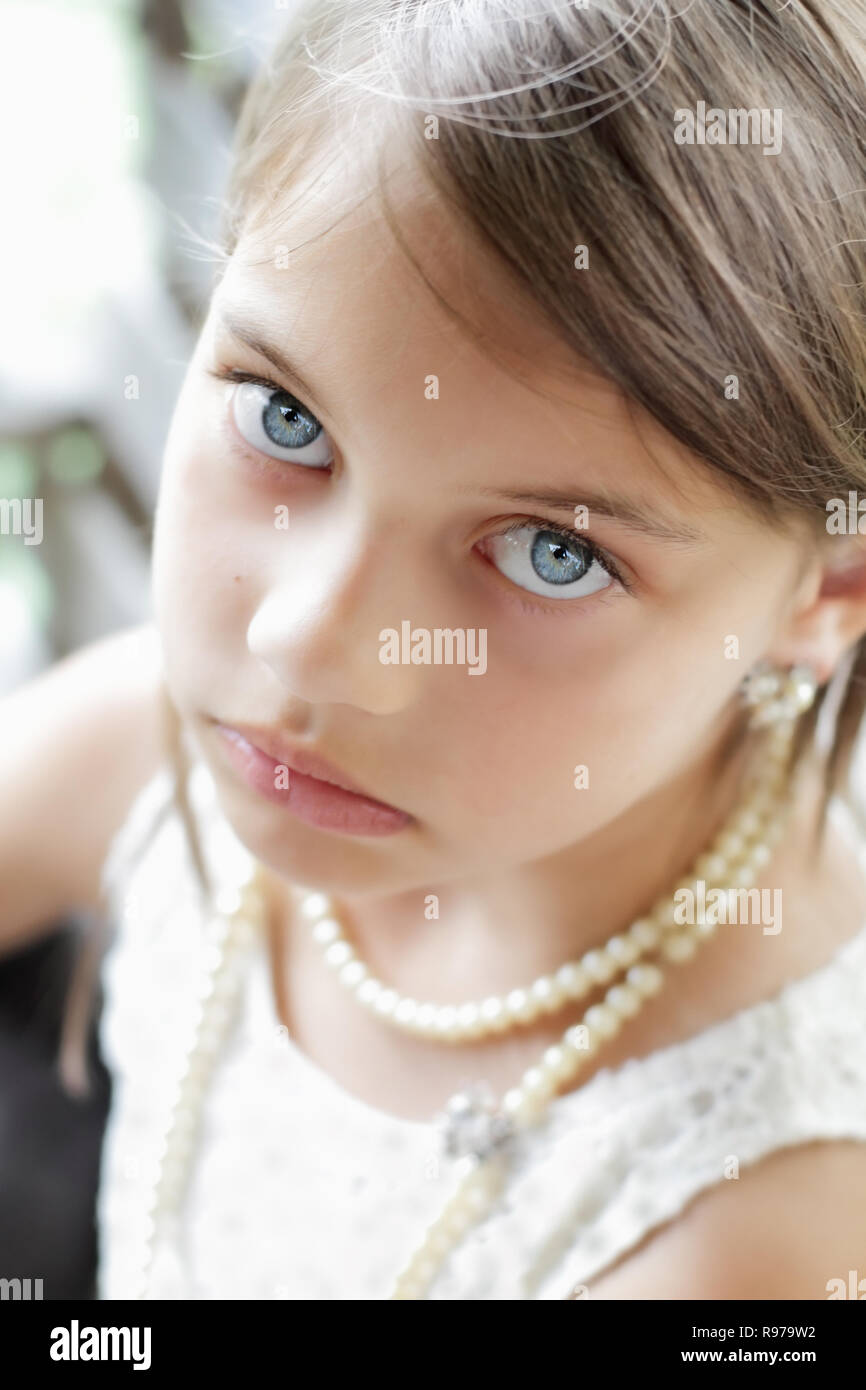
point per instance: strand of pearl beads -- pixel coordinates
(232, 934)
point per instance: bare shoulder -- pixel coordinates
(786, 1228)
(76, 745)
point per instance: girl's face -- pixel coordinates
(343, 461)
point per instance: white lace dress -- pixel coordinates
(299, 1190)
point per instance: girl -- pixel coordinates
(435, 981)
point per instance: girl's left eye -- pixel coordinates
(276, 423)
(547, 561)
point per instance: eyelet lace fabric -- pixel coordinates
(300, 1190)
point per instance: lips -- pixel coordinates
(299, 760)
(314, 791)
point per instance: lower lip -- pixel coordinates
(319, 803)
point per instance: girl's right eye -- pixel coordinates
(276, 423)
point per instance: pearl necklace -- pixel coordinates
(475, 1130)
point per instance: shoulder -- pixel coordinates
(80, 741)
(785, 1228)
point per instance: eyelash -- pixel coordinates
(237, 374)
(265, 466)
(569, 534)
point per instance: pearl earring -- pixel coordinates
(777, 693)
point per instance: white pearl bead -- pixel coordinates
(326, 931)
(546, 993)
(645, 934)
(204, 994)
(512, 1101)
(559, 1062)
(439, 1242)
(648, 979)
(469, 1019)
(622, 950)
(578, 1038)
(477, 1199)
(598, 966)
(211, 959)
(426, 1018)
(406, 1012)
(446, 1020)
(680, 947)
(748, 824)
(602, 1020)
(408, 1289)
(218, 1017)
(171, 1175)
(519, 1005)
(522, 1107)
(315, 905)
(209, 1042)
(339, 953)
(228, 900)
(730, 844)
(424, 1271)
(195, 1067)
(454, 1220)
(538, 1082)
(225, 986)
(493, 1012)
(245, 932)
(353, 973)
(762, 804)
(369, 991)
(573, 981)
(386, 1002)
(711, 867)
(624, 999)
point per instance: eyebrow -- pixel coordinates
(624, 511)
(245, 333)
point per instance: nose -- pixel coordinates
(317, 625)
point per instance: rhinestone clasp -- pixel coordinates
(471, 1124)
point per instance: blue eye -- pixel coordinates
(277, 424)
(552, 563)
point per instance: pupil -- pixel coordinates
(282, 417)
(554, 560)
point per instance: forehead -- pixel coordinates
(324, 278)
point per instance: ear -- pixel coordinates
(829, 614)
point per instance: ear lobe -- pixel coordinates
(835, 618)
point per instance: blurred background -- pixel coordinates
(117, 119)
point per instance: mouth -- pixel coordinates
(304, 784)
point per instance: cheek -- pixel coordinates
(203, 575)
(543, 757)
